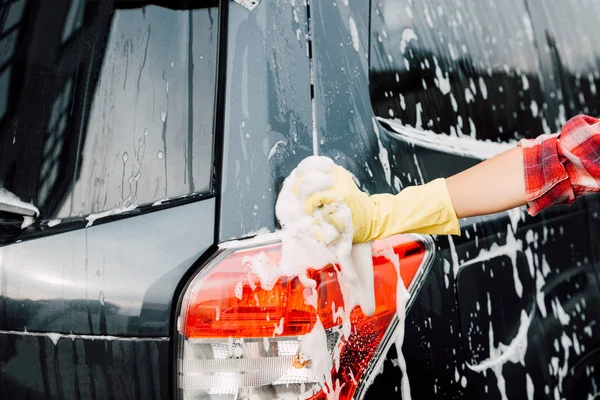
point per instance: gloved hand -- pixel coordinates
(423, 209)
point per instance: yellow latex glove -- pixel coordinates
(423, 209)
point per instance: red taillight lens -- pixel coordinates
(248, 335)
(230, 302)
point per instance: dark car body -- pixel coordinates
(171, 125)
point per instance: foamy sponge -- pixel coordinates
(324, 236)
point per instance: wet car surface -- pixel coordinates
(147, 133)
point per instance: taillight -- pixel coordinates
(240, 339)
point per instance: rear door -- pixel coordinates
(510, 307)
(106, 127)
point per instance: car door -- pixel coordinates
(570, 56)
(106, 132)
(428, 90)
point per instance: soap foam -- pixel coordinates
(301, 249)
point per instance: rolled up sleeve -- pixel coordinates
(560, 167)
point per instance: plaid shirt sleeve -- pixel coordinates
(562, 166)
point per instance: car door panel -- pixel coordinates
(491, 283)
(103, 280)
(267, 127)
(75, 367)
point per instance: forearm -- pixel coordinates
(494, 185)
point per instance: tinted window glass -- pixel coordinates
(574, 50)
(460, 67)
(106, 106)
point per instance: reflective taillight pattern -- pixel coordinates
(239, 340)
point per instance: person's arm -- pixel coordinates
(494, 185)
(539, 173)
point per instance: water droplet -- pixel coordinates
(101, 297)
(172, 63)
(145, 131)
(160, 154)
(163, 115)
(97, 272)
(125, 157)
(140, 142)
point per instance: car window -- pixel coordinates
(465, 68)
(576, 69)
(106, 106)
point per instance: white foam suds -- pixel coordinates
(309, 241)
(510, 249)
(428, 17)
(534, 108)
(402, 297)
(530, 387)
(540, 295)
(418, 111)
(249, 4)
(442, 80)
(525, 81)
(10, 199)
(278, 327)
(54, 337)
(418, 168)
(353, 33)
(483, 88)
(114, 211)
(560, 313)
(454, 256)
(528, 27)
(54, 222)
(159, 202)
(469, 98)
(408, 34)
(514, 353)
(27, 222)
(593, 88)
(561, 372)
(464, 145)
(446, 273)
(383, 155)
(276, 146)
(454, 103)
(515, 215)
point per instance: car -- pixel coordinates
(143, 146)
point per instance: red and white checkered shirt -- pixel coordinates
(562, 166)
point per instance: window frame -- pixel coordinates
(42, 227)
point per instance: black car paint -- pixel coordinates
(88, 313)
(119, 355)
(445, 329)
(267, 121)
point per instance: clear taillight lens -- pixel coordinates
(238, 340)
